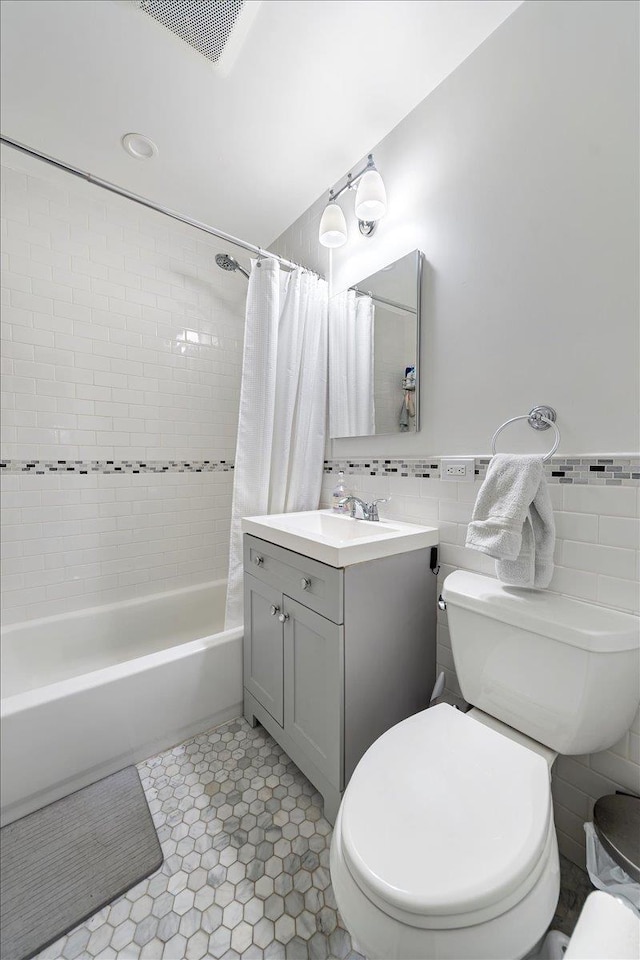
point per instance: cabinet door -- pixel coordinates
(314, 684)
(263, 652)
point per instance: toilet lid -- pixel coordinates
(443, 815)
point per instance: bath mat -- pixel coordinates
(65, 862)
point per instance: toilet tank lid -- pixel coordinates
(587, 625)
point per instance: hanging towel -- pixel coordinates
(513, 521)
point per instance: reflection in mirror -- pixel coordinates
(374, 336)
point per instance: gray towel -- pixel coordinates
(513, 521)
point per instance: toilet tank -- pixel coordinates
(563, 671)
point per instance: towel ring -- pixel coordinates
(540, 418)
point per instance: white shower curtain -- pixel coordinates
(351, 343)
(283, 405)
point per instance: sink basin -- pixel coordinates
(338, 540)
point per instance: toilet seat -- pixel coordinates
(445, 822)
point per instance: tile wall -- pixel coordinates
(121, 360)
(597, 558)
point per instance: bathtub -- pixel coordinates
(84, 694)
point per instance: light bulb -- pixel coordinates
(371, 197)
(333, 226)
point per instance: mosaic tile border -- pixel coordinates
(115, 466)
(595, 471)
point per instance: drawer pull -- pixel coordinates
(283, 618)
(274, 610)
(305, 583)
(258, 560)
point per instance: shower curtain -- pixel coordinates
(283, 405)
(351, 398)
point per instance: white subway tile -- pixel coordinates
(91, 331)
(88, 361)
(28, 301)
(46, 288)
(621, 771)
(576, 526)
(54, 388)
(51, 355)
(620, 532)
(108, 289)
(620, 594)
(72, 311)
(13, 384)
(74, 375)
(610, 561)
(610, 501)
(17, 351)
(574, 583)
(454, 510)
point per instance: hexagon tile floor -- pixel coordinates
(246, 871)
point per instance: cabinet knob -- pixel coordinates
(283, 617)
(274, 610)
(305, 583)
(258, 560)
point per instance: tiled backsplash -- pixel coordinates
(121, 359)
(606, 471)
(74, 541)
(597, 557)
(115, 466)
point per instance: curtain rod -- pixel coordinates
(120, 191)
(388, 303)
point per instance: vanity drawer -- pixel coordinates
(291, 572)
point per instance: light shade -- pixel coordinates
(371, 197)
(333, 226)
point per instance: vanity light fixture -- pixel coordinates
(333, 226)
(370, 206)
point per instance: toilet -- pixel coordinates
(444, 846)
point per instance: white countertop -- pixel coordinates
(339, 540)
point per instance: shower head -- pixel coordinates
(225, 262)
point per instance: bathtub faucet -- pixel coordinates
(361, 510)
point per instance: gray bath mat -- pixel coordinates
(63, 863)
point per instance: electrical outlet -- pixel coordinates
(460, 469)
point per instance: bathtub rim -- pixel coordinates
(18, 702)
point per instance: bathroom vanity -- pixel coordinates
(340, 635)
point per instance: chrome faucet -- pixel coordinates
(361, 510)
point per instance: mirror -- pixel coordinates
(374, 346)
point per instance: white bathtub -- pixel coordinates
(86, 693)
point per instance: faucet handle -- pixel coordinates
(373, 507)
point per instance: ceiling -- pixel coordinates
(315, 84)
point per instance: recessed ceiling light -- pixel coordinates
(139, 146)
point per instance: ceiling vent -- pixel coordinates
(215, 28)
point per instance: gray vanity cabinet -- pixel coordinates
(333, 657)
(313, 655)
(263, 646)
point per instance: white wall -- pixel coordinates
(518, 178)
(121, 341)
